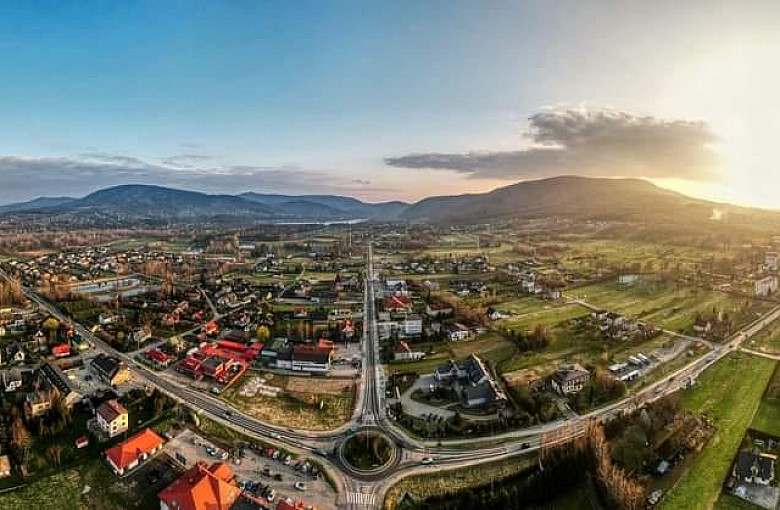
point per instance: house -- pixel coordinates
(754, 468)
(11, 380)
(411, 325)
(134, 451)
(54, 378)
(569, 379)
(472, 381)
(159, 358)
(16, 353)
(402, 352)
(458, 332)
(701, 325)
(435, 310)
(82, 442)
(311, 358)
(112, 418)
(397, 303)
(628, 279)
(38, 402)
(110, 369)
(5, 466)
(765, 286)
(61, 350)
(202, 488)
(771, 261)
(140, 334)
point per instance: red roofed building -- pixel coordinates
(284, 505)
(202, 488)
(159, 358)
(211, 328)
(130, 453)
(61, 350)
(397, 303)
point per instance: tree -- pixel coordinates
(51, 325)
(262, 333)
(54, 453)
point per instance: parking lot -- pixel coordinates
(257, 473)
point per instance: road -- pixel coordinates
(367, 491)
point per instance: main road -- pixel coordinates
(364, 491)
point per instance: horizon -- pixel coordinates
(306, 98)
(408, 202)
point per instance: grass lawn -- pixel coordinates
(528, 312)
(490, 346)
(729, 502)
(300, 410)
(768, 340)
(767, 419)
(731, 401)
(449, 482)
(666, 305)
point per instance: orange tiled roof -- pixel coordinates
(202, 488)
(123, 454)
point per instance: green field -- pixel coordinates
(731, 402)
(767, 419)
(528, 312)
(767, 340)
(666, 305)
(491, 347)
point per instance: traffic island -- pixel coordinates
(368, 453)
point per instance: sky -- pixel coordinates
(388, 100)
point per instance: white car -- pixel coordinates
(300, 486)
(427, 461)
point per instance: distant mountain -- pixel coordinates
(165, 203)
(35, 204)
(626, 200)
(348, 207)
(614, 199)
(128, 203)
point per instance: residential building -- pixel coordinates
(570, 379)
(11, 380)
(110, 369)
(765, 286)
(202, 488)
(402, 352)
(472, 381)
(458, 332)
(112, 418)
(311, 358)
(771, 261)
(130, 453)
(53, 377)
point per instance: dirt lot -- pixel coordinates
(318, 493)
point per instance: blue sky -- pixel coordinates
(316, 96)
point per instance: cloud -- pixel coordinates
(25, 177)
(592, 143)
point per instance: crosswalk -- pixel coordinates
(357, 498)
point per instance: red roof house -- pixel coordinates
(61, 350)
(202, 488)
(128, 454)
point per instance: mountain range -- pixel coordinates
(564, 196)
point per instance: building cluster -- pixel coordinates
(84, 264)
(448, 265)
(618, 327)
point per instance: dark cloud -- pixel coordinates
(26, 177)
(592, 143)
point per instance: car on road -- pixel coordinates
(300, 486)
(427, 461)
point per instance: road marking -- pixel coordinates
(357, 498)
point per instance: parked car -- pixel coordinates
(300, 486)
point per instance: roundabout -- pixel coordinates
(368, 454)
